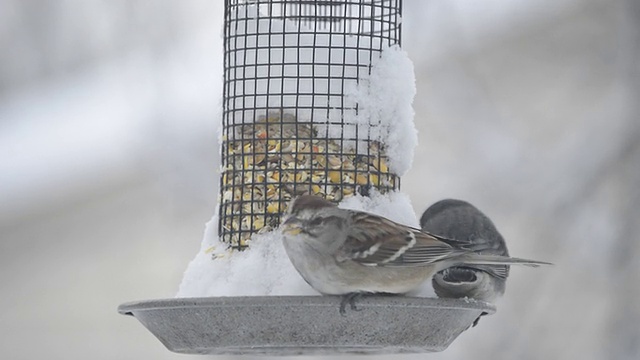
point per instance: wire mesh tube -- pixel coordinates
(286, 128)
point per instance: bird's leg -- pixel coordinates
(350, 299)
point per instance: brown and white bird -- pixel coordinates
(346, 252)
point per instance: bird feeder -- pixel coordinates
(287, 130)
(285, 114)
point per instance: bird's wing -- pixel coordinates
(375, 241)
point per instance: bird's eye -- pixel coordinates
(316, 221)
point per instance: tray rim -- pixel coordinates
(314, 300)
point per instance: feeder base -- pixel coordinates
(306, 325)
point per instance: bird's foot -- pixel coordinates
(351, 300)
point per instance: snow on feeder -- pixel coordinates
(292, 123)
(317, 100)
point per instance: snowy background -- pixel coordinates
(529, 109)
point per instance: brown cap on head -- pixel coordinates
(308, 202)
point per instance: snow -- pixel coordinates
(264, 268)
(385, 109)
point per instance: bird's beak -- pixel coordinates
(292, 226)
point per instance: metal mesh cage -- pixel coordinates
(287, 68)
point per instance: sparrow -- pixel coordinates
(349, 253)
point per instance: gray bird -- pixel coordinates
(458, 220)
(347, 252)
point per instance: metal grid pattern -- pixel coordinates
(287, 67)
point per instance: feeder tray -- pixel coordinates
(306, 325)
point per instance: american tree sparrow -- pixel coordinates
(347, 252)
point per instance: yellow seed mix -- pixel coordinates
(266, 166)
(383, 166)
(374, 179)
(334, 176)
(273, 207)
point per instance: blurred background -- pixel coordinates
(108, 158)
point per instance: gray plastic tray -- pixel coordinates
(305, 325)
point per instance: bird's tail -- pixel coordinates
(486, 259)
